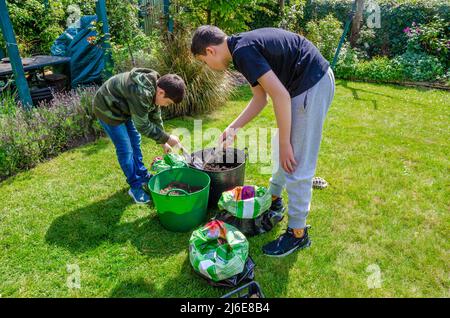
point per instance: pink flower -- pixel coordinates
(407, 30)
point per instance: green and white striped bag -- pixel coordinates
(218, 251)
(237, 204)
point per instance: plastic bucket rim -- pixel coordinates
(232, 169)
(184, 195)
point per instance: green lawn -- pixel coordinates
(385, 154)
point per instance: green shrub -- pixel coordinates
(367, 36)
(36, 27)
(7, 102)
(123, 62)
(231, 16)
(395, 16)
(347, 62)
(420, 67)
(379, 69)
(325, 34)
(432, 38)
(291, 16)
(29, 137)
(267, 15)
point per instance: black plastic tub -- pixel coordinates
(221, 181)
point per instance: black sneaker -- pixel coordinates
(287, 243)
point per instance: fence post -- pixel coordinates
(14, 56)
(103, 17)
(344, 34)
(167, 15)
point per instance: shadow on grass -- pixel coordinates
(137, 288)
(356, 91)
(355, 94)
(271, 273)
(90, 226)
(186, 284)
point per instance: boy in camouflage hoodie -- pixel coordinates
(128, 105)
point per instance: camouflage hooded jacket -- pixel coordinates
(131, 95)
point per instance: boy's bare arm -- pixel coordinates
(254, 107)
(282, 107)
(281, 103)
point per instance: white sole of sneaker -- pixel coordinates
(291, 251)
(134, 199)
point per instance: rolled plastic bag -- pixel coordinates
(168, 161)
(251, 227)
(218, 251)
(246, 202)
(248, 209)
(247, 275)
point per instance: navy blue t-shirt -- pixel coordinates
(295, 60)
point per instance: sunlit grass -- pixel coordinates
(384, 153)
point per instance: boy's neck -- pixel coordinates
(228, 55)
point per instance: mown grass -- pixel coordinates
(384, 153)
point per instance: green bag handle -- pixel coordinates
(176, 189)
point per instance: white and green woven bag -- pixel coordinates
(247, 202)
(218, 251)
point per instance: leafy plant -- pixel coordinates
(420, 66)
(126, 35)
(396, 15)
(35, 27)
(268, 14)
(28, 137)
(7, 101)
(366, 41)
(379, 69)
(347, 62)
(141, 58)
(292, 15)
(230, 16)
(325, 34)
(433, 38)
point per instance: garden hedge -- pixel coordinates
(395, 17)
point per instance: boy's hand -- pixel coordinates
(287, 160)
(173, 141)
(228, 136)
(166, 147)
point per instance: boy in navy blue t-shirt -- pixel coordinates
(290, 69)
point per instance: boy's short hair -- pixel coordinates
(173, 86)
(205, 36)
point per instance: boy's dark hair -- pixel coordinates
(205, 36)
(173, 86)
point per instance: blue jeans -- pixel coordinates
(127, 141)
